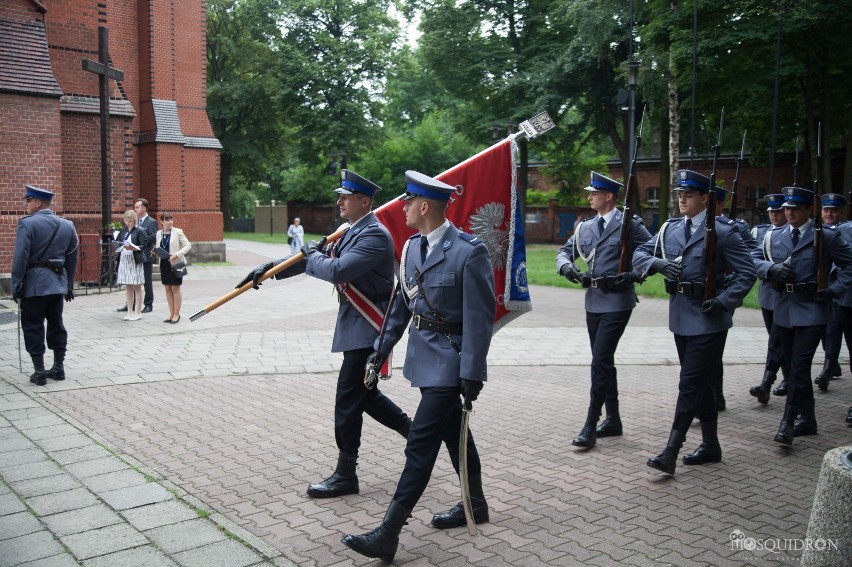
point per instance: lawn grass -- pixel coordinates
(265, 237)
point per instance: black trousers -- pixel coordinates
(833, 339)
(147, 269)
(774, 352)
(799, 345)
(605, 330)
(700, 356)
(34, 312)
(844, 314)
(353, 399)
(438, 419)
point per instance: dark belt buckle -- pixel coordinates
(790, 288)
(594, 283)
(681, 288)
(416, 321)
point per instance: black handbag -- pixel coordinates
(179, 269)
(289, 240)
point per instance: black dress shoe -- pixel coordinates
(122, 309)
(849, 416)
(611, 427)
(822, 380)
(147, 309)
(176, 321)
(334, 486)
(781, 390)
(454, 517)
(587, 437)
(761, 392)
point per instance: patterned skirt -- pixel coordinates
(129, 272)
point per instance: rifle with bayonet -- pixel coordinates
(732, 211)
(819, 237)
(710, 223)
(624, 262)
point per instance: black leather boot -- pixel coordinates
(611, 426)
(806, 423)
(667, 460)
(835, 370)
(761, 391)
(39, 377)
(785, 429)
(587, 436)
(824, 377)
(781, 389)
(381, 542)
(57, 372)
(709, 451)
(454, 517)
(343, 481)
(849, 416)
(406, 428)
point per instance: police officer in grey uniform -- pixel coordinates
(832, 212)
(766, 299)
(699, 326)
(363, 259)
(610, 298)
(43, 268)
(801, 310)
(447, 296)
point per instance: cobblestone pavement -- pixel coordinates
(192, 444)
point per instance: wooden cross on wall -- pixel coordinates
(105, 73)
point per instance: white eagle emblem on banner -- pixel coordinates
(488, 224)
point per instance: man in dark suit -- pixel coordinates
(610, 298)
(802, 310)
(149, 225)
(446, 293)
(699, 326)
(360, 265)
(43, 269)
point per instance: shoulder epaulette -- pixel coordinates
(741, 221)
(763, 225)
(469, 238)
(413, 236)
(586, 219)
(726, 221)
(830, 226)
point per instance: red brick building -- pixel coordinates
(162, 147)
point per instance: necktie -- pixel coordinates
(601, 225)
(795, 234)
(687, 230)
(424, 248)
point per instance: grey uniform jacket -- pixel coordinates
(765, 293)
(607, 253)
(363, 257)
(845, 230)
(685, 316)
(33, 235)
(458, 282)
(800, 309)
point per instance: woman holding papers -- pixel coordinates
(172, 246)
(130, 272)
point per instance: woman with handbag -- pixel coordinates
(173, 242)
(130, 269)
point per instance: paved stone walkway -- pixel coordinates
(192, 444)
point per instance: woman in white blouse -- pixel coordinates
(173, 241)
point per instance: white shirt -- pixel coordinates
(434, 237)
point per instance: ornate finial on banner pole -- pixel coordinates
(535, 126)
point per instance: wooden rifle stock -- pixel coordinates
(625, 260)
(710, 223)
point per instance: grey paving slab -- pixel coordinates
(52, 444)
(30, 471)
(51, 432)
(81, 520)
(11, 504)
(45, 485)
(146, 556)
(21, 457)
(28, 547)
(135, 496)
(88, 452)
(185, 535)
(114, 480)
(160, 514)
(61, 560)
(96, 467)
(57, 502)
(227, 553)
(18, 524)
(13, 440)
(103, 541)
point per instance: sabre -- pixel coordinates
(467, 409)
(535, 126)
